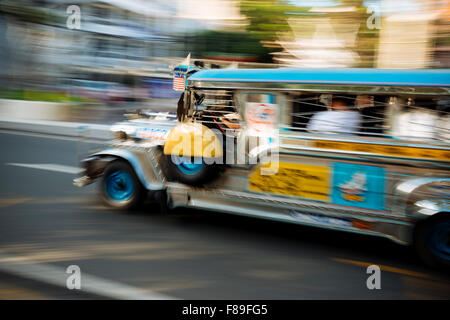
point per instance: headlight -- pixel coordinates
(120, 135)
(122, 131)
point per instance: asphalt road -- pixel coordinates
(187, 254)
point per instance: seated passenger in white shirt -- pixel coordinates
(339, 120)
(416, 124)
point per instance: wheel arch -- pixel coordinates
(422, 198)
(149, 181)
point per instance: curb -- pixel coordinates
(59, 128)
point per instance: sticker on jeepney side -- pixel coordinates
(321, 219)
(358, 185)
(152, 133)
(261, 117)
(293, 179)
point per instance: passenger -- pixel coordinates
(415, 123)
(341, 119)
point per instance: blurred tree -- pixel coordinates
(267, 17)
(367, 36)
(225, 45)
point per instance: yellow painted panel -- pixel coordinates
(292, 179)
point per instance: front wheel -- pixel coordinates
(120, 187)
(189, 170)
(432, 239)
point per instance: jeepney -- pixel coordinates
(241, 143)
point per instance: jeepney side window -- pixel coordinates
(373, 111)
(416, 118)
(212, 105)
(326, 114)
(304, 106)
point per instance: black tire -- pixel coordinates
(120, 175)
(432, 241)
(202, 174)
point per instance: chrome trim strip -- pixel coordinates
(337, 138)
(328, 88)
(289, 203)
(395, 230)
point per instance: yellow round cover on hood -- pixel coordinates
(193, 139)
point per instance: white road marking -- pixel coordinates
(49, 167)
(54, 275)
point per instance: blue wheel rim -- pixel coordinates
(188, 166)
(119, 186)
(439, 240)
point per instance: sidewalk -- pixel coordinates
(58, 128)
(86, 121)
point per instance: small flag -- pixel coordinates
(179, 82)
(179, 74)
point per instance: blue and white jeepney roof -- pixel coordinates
(364, 77)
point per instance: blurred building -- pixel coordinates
(120, 41)
(411, 37)
(441, 41)
(115, 39)
(210, 14)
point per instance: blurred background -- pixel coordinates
(97, 54)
